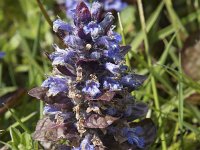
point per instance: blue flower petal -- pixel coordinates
(133, 136)
(96, 11)
(63, 56)
(93, 29)
(50, 110)
(114, 69)
(107, 22)
(115, 36)
(61, 25)
(136, 140)
(95, 55)
(70, 5)
(55, 85)
(117, 5)
(132, 81)
(92, 88)
(111, 84)
(74, 42)
(85, 144)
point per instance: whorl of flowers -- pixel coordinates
(108, 5)
(88, 105)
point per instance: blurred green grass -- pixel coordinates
(156, 30)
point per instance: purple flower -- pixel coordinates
(85, 144)
(74, 42)
(93, 29)
(111, 111)
(132, 81)
(95, 55)
(61, 25)
(2, 54)
(92, 88)
(114, 69)
(115, 36)
(70, 6)
(111, 84)
(117, 5)
(62, 57)
(55, 85)
(51, 110)
(96, 10)
(133, 136)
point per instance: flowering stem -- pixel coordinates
(44, 12)
(123, 39)
(153, 82)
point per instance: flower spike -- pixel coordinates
(88, 102)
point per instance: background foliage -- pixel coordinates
(158, 39)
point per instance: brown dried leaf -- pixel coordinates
(98, 121)
(190, 56)
(95, 109)
(193, 99)
(47, 130)
(107, 96)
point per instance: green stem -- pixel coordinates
(123, 39)
(1, 70)
(181, 105)
(44, 12)
(153, 82)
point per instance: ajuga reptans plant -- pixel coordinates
(88, 105)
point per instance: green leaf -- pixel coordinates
(150, 22)
(26, 141)
(15, 136)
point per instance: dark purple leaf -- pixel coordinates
(135, 110)
(66, 70)
(82, 14)
(132, 81)
(107, 22)
(81, 62)
(149, 131)
(124, 50)
(38, 92)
